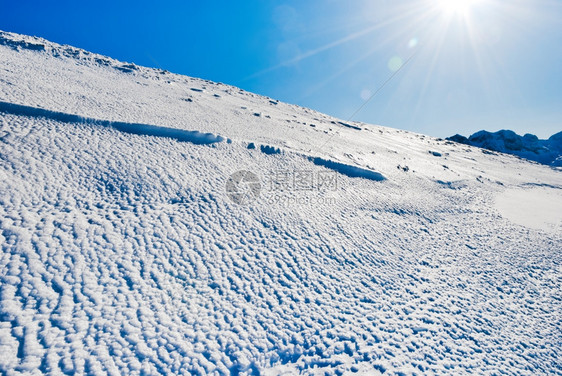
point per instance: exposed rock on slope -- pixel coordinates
(529, 146)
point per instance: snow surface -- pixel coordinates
(124, 253)
(536, 207)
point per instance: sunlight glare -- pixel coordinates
(456, 7)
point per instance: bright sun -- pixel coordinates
(451, 7)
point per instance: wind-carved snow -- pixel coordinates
(194, 137)
(348, 170)
(121, 253)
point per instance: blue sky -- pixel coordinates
(487, 64)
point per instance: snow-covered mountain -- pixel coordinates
(152, 223)
(529, 146)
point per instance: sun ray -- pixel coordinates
(431, 68)
(317, 87)
(476, 48)
(404, 15)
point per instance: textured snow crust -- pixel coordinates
(123, 251)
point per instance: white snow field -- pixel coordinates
(345, 249)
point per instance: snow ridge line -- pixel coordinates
(342, 168)
(348, 170)
(194, 137)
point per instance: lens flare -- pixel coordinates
(395, 63)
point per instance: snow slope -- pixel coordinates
(131, 245)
